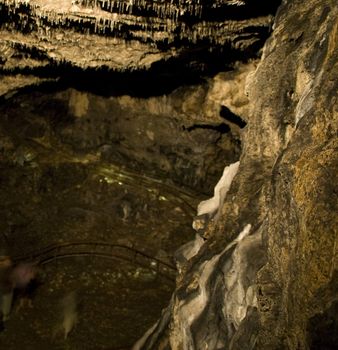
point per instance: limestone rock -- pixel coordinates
(286, 189)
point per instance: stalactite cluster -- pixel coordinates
(37, 37)
(155, 22)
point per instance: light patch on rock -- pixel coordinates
(127, 102)
(304, 85)
(188, 312)
(78, 103)
(228, 89)
(139, 344)
(239, 296)
(158, 106)
(70, 315)
(10, 85)
(249, 80)
(236, 3)
(307, 97)
(212, 205)
(187, 251)
(150, 135)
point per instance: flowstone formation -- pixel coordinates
(266, 277)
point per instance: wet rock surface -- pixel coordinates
(285, 188)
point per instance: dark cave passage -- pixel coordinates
(107, 191)
(323, 329)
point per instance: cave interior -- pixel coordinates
(117, 119)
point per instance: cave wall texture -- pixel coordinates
(266, 275)
(286, 189)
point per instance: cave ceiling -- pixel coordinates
(42, 40)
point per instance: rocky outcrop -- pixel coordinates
(266, 278)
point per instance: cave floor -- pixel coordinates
(58, 199)
(118, 300)
(93, 226)
(117, 303)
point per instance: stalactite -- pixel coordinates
(163, 21)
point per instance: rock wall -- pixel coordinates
(266, 277)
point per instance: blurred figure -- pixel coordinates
(18, 278)
(69, 316)
(22, 274)
(25, 283)
(6, 287)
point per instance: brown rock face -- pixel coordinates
(277, 287)
(300, 280)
